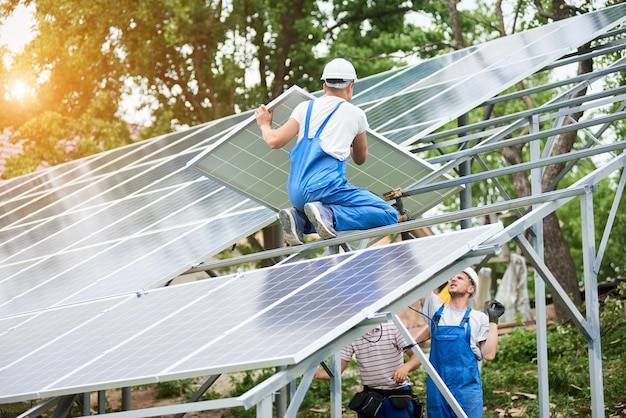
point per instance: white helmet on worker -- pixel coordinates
(339, 73)
(471, 273)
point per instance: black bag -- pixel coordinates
(400, 401)
(366, 403)
(418, 406)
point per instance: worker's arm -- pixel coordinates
(402, 372)
(322, 374)
(279, 137)
(359, 148)
(489, 347)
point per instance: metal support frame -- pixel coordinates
(335, 386)
(592, 306)
(126, 399)
(41, 408)
(102, 402)
(201, 391)
(84, 402)
(540, 294)
(64, 406)
(263, 394)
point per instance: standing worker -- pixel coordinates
(384, 374)
(329, 130)
(460, 337)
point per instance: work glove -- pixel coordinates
(494, 310)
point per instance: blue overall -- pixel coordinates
(452, 357)
(317, 176)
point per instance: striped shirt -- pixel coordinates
(378, 355)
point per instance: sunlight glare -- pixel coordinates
(18, 90)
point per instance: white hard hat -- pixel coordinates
(471, 273)
(340, 71)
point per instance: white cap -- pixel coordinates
(471, 273)
(340, 71)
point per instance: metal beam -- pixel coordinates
(592, 306)
(308, 248)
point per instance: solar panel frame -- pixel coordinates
(17, 322)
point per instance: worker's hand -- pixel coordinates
(263, 116)
(494, 310)
(400, 375)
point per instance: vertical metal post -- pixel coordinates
(281, 398)
(102, 402)
(335, 386)
(540, 288)
(592, 304)
(264, 408)
(126, 399)
(465, 169)
(85, 403)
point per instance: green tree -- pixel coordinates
(191, 61)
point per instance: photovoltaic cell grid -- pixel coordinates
(262, 318)
(243, 161)
(441, 93)
(117, 222)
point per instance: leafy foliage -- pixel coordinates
(510, 381)
(174, 388)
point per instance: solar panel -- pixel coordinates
(243, 161)
(121, 222)
(261, 318)
(441, 90)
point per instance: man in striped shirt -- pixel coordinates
(380, 358)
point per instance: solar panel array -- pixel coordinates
(84, 245)
(261, 318)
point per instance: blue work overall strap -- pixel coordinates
(323, 125)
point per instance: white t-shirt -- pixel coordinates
(345, 124)
(479, 321)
